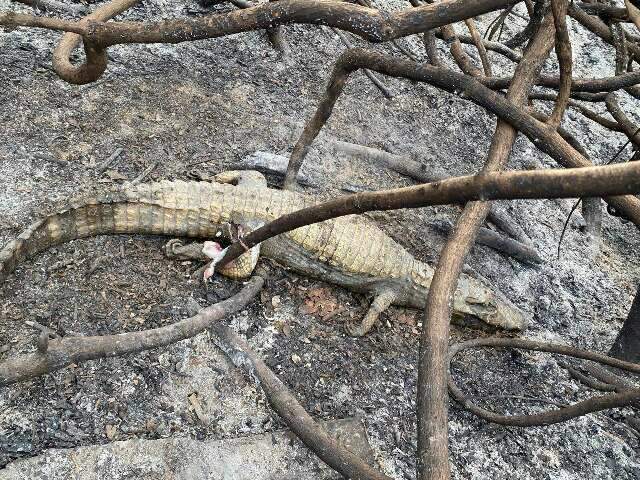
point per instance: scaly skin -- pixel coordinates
(350, 251)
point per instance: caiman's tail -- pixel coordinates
(92, 217)
(164, 208)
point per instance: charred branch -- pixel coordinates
(294, 415)
(55, 354)
(616, 400)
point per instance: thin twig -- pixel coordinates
(482, 51)
(566, 224)
(375, 80)
(109, 161)
(493, 46)
(535, 20)
(145, 173)
(584, 407)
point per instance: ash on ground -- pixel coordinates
(198, 108)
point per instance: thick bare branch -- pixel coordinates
(492, 239)
(96, 56)
(366, 22)
(606, 11)
(369, 23)
(59, 353)
(294, 415)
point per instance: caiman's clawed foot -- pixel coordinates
(176, 249)
(379, 305)
(354, 330)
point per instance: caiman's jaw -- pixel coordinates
(215, 252)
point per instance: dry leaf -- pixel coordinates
(296, 359)
(114, 175)
(319, 300)
(405, 319)
(308, 306)
(110, 431)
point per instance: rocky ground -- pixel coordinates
(198, 108)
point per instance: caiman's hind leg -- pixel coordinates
(380, 303)
(176, 249)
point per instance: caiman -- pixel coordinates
(349, 251)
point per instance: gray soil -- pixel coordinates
(199, 108)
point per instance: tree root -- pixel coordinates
(55, 354)
(616, 400)
(294, 415)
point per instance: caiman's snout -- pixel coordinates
(509, 317)
(479, 301)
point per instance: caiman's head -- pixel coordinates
(490, 307)
(508, 316)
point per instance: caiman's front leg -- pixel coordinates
(380, 303)
(242, 267)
